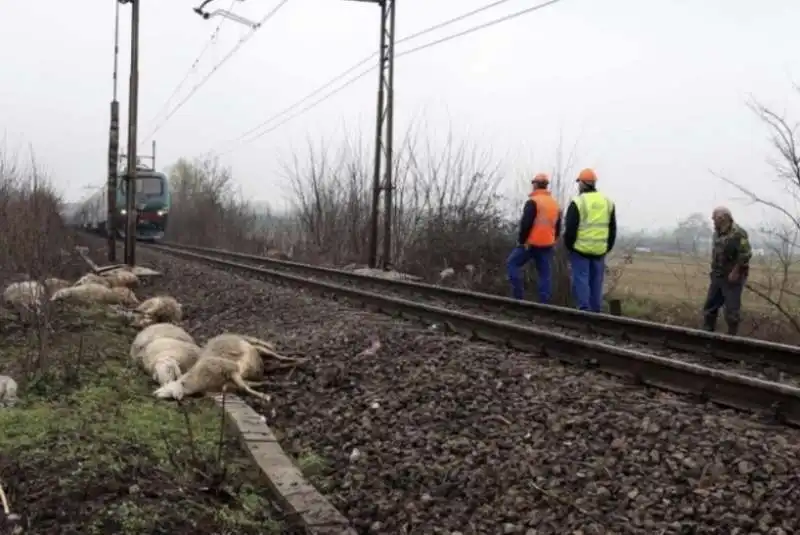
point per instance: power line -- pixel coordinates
(355, 66)
(216, 67)
(370, 69)
(479, 27)
(192, 68)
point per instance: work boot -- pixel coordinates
(709, 325)
(733, 328)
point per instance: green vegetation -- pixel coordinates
(89, 450)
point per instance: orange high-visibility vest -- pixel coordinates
(543, 231)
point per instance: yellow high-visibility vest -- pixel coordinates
(594, 210)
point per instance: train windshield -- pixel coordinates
(147, 187)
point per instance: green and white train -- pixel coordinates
(152, 203)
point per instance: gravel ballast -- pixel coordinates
(549, 324)
(436, 434)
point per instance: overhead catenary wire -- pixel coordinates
(241, 141)
(192, 68)
(216, 67)
(362, 62)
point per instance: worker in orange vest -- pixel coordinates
(539, 229)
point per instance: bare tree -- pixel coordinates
(208, 209)
(34, 243)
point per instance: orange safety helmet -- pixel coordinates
(587, 175)
(541, 178)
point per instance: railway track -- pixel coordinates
(677, 359)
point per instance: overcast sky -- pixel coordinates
(653, 92)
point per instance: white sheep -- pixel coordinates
(121, 277)
(24, 296)
(141, 271)
(161, 309)
(8, 391)
(92, 278)
(446, 273)
(226, 359)
(166, 359)
(91, 293)
(155, 332)
(53, 284)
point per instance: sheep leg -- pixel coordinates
(258, 383)
(277, 356)
(264, 349)
(237, 379)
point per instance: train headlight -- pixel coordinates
(162, 213)
(123, 211)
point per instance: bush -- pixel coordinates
(33, 235)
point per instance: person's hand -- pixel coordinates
(733, 276)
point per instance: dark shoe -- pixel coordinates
(709, 324)
(733, 329)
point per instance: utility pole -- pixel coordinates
(384, 135)
(113, 152)
(388, 11)
(133, 116)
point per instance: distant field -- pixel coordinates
(682, 279)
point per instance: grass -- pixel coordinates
(685, 279)
(89, 450)
(672, 289)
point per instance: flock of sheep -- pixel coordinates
(162, 349)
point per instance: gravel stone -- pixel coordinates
(461, 437)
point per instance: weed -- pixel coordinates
(90, 450)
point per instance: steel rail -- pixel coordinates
(711, 345)
(780, 401)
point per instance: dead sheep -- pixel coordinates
(8, 391)
(227, 359)
(121, 278)
(159, 309)
(276, 254)
(24, 296)
(166, 359)
(96, 294)
(91, 278)
(155, 332)
(53, 284)
(141, 271)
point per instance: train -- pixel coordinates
(152, 204)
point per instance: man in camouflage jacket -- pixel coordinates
(730, 264)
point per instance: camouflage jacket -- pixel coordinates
(730, 248)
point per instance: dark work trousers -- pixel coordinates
(723, 293)
(587, 281)
(542, 258)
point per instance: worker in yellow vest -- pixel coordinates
(539, 228)
(590, 230)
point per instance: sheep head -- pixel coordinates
(140, 320)
(171, 390)
(166, 371)
(53, 284)
(61, 295)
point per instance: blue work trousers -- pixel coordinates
(587, 281)
(542, 258)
